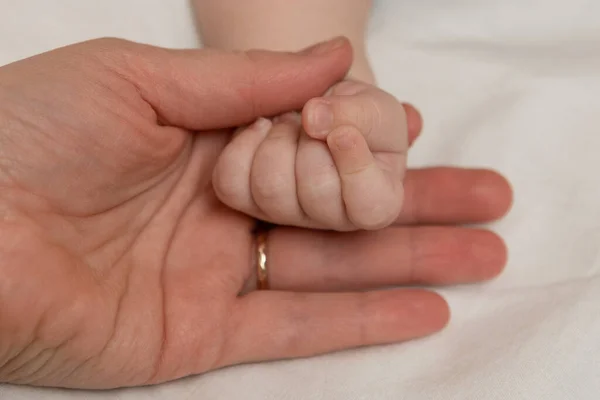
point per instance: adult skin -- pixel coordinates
(119, 266)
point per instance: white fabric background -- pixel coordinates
(513, 85)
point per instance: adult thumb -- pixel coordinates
(212, 89)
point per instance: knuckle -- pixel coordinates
(107, 48)
(124, 57)
(372, 114)
(320, 197)
(228, 182)
(375, 215)
(321, 185)
(395, 111)
(269, 186)
(251, 60)
(356, 170)
(273, 181)
(364, 112)
(364, 309)
(292, 333)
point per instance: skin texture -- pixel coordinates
(339, 165)
(344, 177)
(119, 266)
(285, 26)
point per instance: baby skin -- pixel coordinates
(337, 165)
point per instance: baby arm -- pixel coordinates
(285, 25)
(287, 171)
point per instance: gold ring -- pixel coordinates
(262, 277)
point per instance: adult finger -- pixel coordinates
(318, 261)
(414, 120)
(212, 89)
(454, 196)
(276, 325)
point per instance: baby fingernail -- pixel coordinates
(289, 117)
(320, 119)
(262, 125)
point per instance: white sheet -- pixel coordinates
(513, 85)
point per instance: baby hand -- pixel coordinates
(339, 165)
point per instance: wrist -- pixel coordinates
(361, 70)
(286, 26)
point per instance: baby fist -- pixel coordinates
(339, 165)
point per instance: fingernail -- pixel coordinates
(320, 119)
(262, 125)
(293, 117)
(414, 122)
(326, 47)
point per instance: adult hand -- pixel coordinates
(118, 265)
